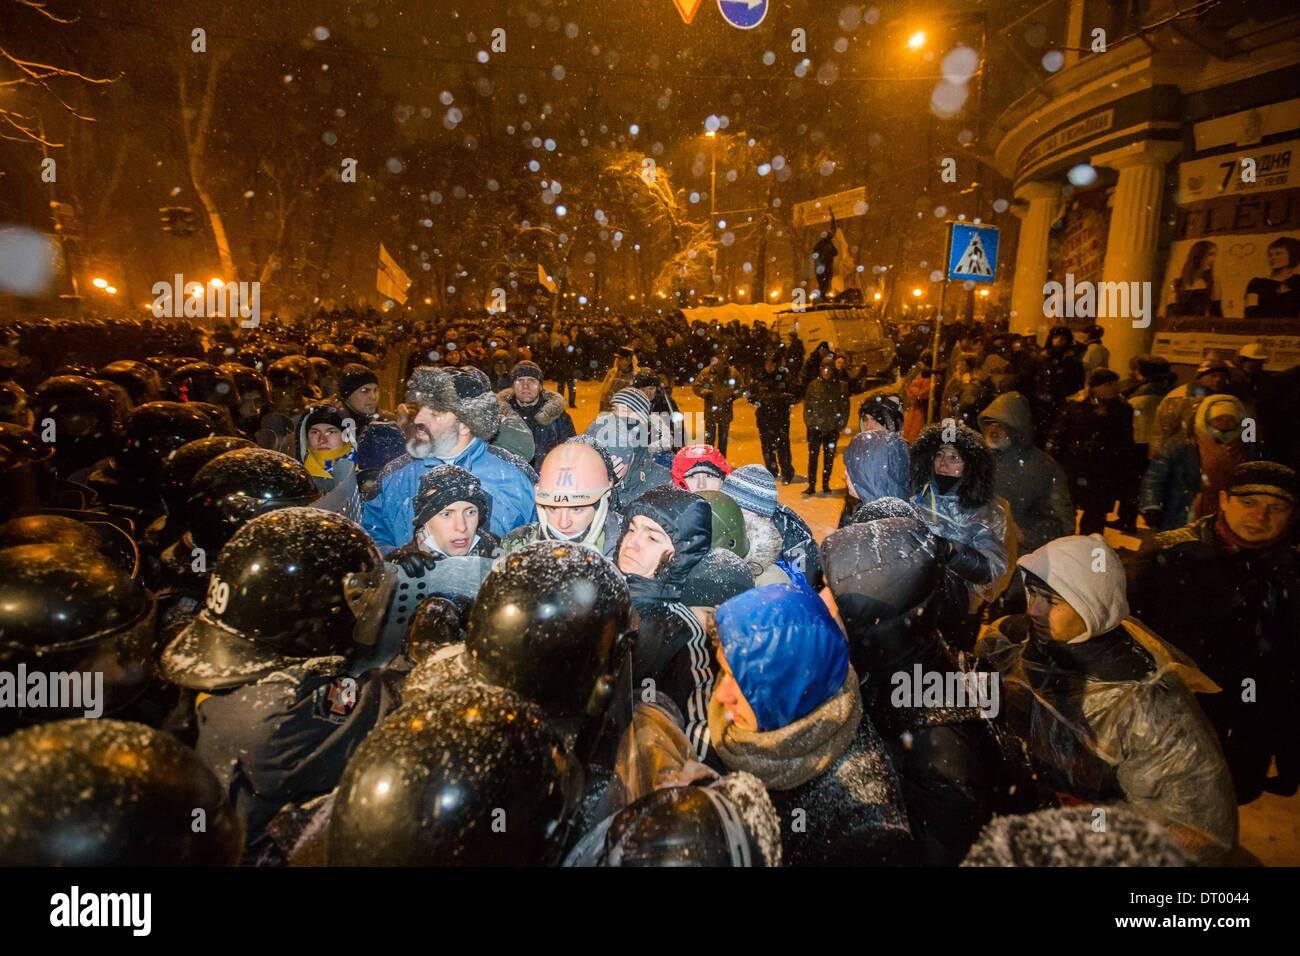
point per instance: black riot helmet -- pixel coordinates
(79, 529)
(153, 432)
(288, 380)
(220, 419)
(13, 405)
(26, 470)
(140, 380)
(203, 382)
(472, 775)
(74, 610)
(164, 365)
(289, 586)
(248, 379)
(110, 793)
(438, 621)
(548, 623)
(180, 469)
(88, 420)
(237, 486)
(731, 822)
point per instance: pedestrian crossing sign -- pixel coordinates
(972, 252)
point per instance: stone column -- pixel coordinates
(1131, 251)
(1031, 255)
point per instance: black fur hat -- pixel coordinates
(976, 487)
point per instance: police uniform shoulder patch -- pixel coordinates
(335, 700)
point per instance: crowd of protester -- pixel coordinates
(456, 631)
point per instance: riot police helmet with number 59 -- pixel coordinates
(291, 585)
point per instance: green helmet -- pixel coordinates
(728, 523)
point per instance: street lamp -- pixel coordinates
(712, 134)
(99, 283)
(918, 292)
(916, 40)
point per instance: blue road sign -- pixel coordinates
(743, 14)
(972, 252)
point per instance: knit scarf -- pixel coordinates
(321, 464)
(790, 756)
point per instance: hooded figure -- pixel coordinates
(885, 576)
(626, 440)
(688, 523)
(671, 647)
(508, 479)
(1030, 480)
(876, 465)
(1103, 705)
(330, 458)
(787, 710)
(961, 508)
(1183, 480)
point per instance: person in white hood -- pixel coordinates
(1104, 706)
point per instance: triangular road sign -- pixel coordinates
(973, 261)
(688, 8)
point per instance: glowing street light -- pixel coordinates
(110, 290)
(916, 40)
(99, 283)
(215, 283)
(918, 292)
(775, 293)
(876, 297)
(984, 293)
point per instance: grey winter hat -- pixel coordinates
(719, 577)
(464, 394)
(753, 488)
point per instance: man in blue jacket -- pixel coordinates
(458, 415)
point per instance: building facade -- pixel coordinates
(1155, 178)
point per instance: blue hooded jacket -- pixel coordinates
(786, 651)
(389, 515)
(878, 464)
